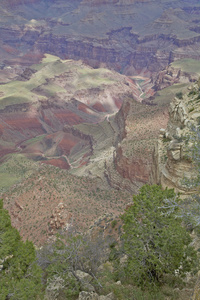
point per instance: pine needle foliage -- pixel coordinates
(155, 241)
(20, 276)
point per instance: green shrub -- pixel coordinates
(113, 223)
(20, 277)
(179, 95)
(155, 241)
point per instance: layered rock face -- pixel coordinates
(173, 164)
(129, 36)
(139, 126)
(126, 161)
(172, 75)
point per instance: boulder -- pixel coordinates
(174, 150)
(85, 280)
(87, 287)
(88, 296)
(83, 276)
(107, 297)
(54, 285)
(94, 296)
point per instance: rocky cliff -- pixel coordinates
(124, 144)
(172, 75)
(132, 159)
(173, 164)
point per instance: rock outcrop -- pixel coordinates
(139, 126)
(172, 75)
(95, 296)
(173, 164)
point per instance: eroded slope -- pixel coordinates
(51, 199)
(46, 100)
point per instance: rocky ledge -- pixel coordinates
(173, 164)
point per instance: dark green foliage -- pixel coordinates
(113, 223)
(166, 139)
(155, 241)
(198, 97)
(179, 95)
(20, 277)
(192, 92)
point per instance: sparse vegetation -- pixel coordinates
(154, 265)
(166, 139)
(191, 109)
(47, 186)
(15, 168)
(114, 223)
(179, 95)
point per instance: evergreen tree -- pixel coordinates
(20, 276)
(155, 241)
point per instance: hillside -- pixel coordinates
(40, 107)
(51, 199)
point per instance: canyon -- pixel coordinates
(85, 87)
(48, 101)
(97, 98)
(132, 37)
(66, 125)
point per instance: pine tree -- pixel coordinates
(155, 241)
(20, 276)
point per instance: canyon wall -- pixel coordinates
(173, 164)
(102, 33)
(138, 127)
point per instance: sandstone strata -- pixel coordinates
(173, 164)
(110, 33)
(139, 126)
(171, 75)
